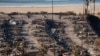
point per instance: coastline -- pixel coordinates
(42, 5)
(57, 8)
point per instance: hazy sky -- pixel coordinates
(34, 0)
(41, 2)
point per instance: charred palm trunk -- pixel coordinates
(94, 6)
(86, 7)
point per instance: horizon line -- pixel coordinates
(43, 5)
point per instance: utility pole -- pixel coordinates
(52, 20)
(52, 9)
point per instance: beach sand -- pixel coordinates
(74, 8)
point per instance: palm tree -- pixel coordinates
(93, 1)
(94, 6)
(86, 4)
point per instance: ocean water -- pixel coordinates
(40, 2)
